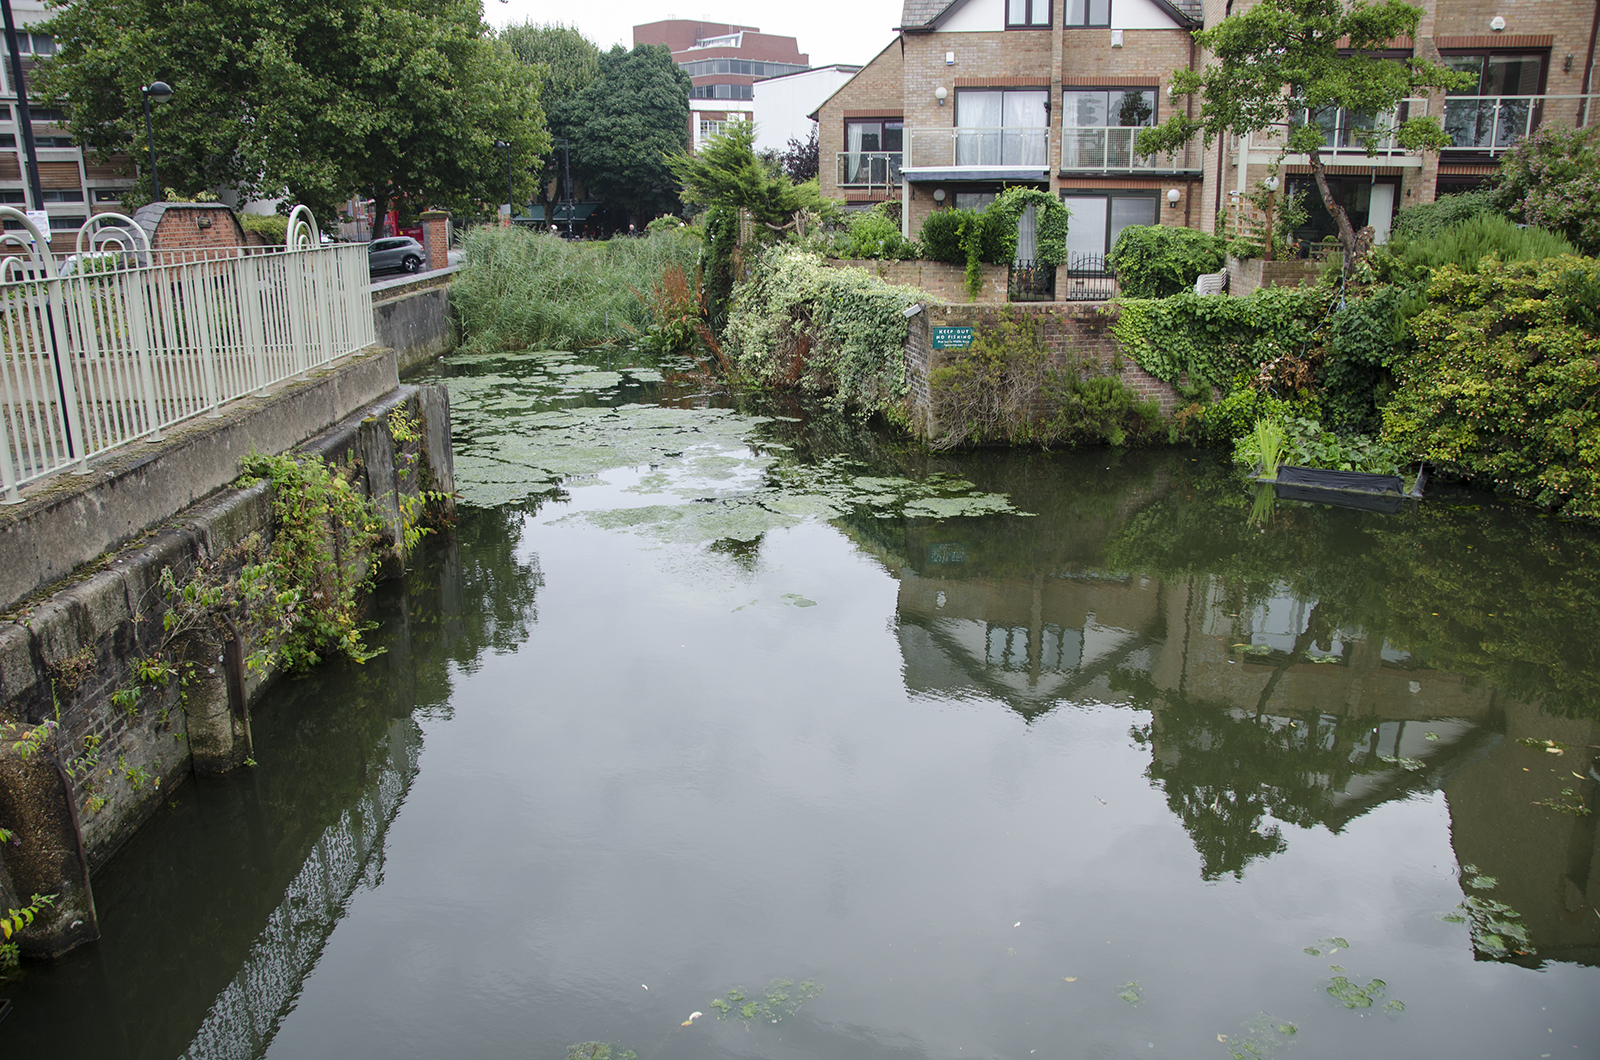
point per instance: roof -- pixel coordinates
(923, 14)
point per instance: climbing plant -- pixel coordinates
(1213, 339)
(1051, 218)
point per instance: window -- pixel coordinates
(1088, 13)
(720, 92)
(705, 67)
(5, 112)
(872, 151)
(61, 195)
(1366, 201)
(1097, 219)
(52, 141)
(1501, 107)
(1099, 126)
(13, 195)
(975, 200)
(997, 127)
(47, 114)
(110, 194)
(1027, 14)
(65, 221)
(43, 43)
(8, 139)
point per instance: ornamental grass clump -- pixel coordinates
(530, 290)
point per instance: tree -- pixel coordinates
(567, 62)
(625, 124)
(1291, 66)
(801, 161)
(274, 99)
(727, 173)
(1552, 179)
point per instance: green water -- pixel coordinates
(740, 708)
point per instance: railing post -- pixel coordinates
(61, 351)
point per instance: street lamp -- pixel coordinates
(157, 92)
(566, 185)
(511, 195)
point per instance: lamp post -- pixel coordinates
(1272, 201)
(566, 184)
(511, 195)
(157, 92)
(24, 119)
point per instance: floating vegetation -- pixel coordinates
(1408, 764)
(797, 600)
(1131, 993)
(779, 1001)
(1430, 736)
(1495, 927)
(598, 1051)
(1327, 946)
(1568, 802)
(1554, 747)
(1356, 995)
(1263, 1036)
(1254, 649)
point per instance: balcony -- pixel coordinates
(981, 150)
(1102, 149)
(869, 169)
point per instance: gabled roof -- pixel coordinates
(920, 16)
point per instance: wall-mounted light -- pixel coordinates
(1173, 195)
(941, 94)
(938, 195)
(1271, 183)
(1566, 65)
(1497, 23)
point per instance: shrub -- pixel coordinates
(1214, 339)
(1004, 214)
(1552, 179)
(1365, 337)
(1154, 261)
(873, 234)
(1430, 218)
(1504, 385)
(531, 290)
(273, 228)
(1463, 245)
(836, 332)
(1246, 405)
(941, 235)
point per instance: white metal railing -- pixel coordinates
(131, 341)
(869, 169)
(979, 147)
(1101, 149)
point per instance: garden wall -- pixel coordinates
(940, 279)
(1076, 333)
(1246, 276)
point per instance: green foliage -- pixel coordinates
(1302, 442)
(1366, 336)
(972, 242)
(1463, 245)
(1331, 52)
(1214, 339)
(1504, 383)
(528, 290)
(272, 227)
(1430, 218)
(874, 235)
(1005, 390)
(565, 62)
(626, 123)
(726, 172)
(837, 332)
(1004, 214)
(1154, 261)
(278, 101)
(314, 568)
(15, 920)
(1246, 404)
(941, 235)
(1552, 179)
(1262, 448)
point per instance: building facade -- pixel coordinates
(724, 62)
(973, 95)
(784, 104)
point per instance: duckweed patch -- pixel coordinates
(781, 999)
(1262, 1037)
(1496, 928)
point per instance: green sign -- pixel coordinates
(952, 338)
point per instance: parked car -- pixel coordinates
(394, 252)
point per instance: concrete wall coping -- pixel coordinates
(384, 290)
(68, 519)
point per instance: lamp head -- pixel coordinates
(941, 94)
(1272, 183)
(1173, 195)
(157, 91)
(501, 144)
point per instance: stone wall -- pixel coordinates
(942, 281)
(103, 765)
(412, 317)
(1246, 276)
(1077, 334)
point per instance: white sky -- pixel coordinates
(830, 31)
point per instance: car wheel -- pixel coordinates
(411, 263)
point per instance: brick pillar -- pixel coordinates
(436, 237)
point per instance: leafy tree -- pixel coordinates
(1290, 66)
(275, 99)
(726, 172)
(624, 125)
(801, 161)
(568, 62)
(1552, 179)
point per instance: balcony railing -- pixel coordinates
(1096, 148)
(869, 169)
(979, 148)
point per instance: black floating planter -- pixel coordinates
(1346, 489)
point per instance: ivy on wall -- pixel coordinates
(1051, 217)
(1212, 338)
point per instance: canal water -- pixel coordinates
(722, 729)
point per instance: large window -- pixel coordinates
(1097, 219)
(1500, 106)
(1088, 12)
(873, 152)
(1002, 127)
(1098, 126)
(750, 67)
(1027, 14)
(720, 92)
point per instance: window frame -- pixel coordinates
(1088, 13)
(1030, 8)
(1152, 195)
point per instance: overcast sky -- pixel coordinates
(830, 31)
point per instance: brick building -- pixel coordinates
(972, 95)
(724, 62)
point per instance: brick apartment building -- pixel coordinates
(724, 62)
(973, 95)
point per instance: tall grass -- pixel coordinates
(523, 290)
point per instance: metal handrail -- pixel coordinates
(978, 146)
(869, 169)
(1113, 148)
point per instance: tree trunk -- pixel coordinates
(1347, 234)
(380, 212)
